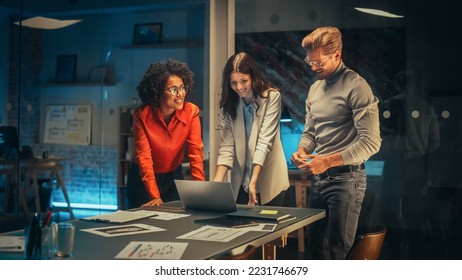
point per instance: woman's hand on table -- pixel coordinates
(153, 202)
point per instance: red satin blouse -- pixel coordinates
(160, 147)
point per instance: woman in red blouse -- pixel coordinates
(162, 127)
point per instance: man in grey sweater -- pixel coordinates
(341, 133)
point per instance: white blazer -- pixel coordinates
(264, 143)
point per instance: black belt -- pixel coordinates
(333, 171)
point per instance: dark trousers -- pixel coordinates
(243, 198)
(342, 196)
(137, 194)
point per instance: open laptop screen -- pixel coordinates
(206, 196)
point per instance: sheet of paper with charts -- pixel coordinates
(153, 250)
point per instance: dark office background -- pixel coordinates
(411, 62)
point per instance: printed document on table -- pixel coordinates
(11, 243)
(153, 250)
(217, 234)
(121, 216)
(123, 230)
(167, 216)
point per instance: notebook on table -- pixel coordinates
(206, 196)
(269, 215)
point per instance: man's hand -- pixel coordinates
(316, 164)
(299, 157)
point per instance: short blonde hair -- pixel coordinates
(329, 39)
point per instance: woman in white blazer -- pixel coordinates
(250, 110)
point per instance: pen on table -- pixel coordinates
(134, 250)
(246, 225)
(11, 247)
(170, 208)
(101, 220)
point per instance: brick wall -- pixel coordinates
(90, 174)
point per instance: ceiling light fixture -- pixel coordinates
(47, 23)
(376, 12)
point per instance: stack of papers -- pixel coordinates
(259, 215)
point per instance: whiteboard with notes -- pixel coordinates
(68, 124)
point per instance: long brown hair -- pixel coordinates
(245, 64)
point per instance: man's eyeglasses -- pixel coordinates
(175, 90)
(316, 63)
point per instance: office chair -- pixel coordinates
(368, 245)
(247, 254)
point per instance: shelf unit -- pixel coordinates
(123, 163)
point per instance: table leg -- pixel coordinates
(23, 201)
(300, 195)
(36, 190)
(64, 190)
(269, 249)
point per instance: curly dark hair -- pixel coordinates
(245, 64)
(152, 85)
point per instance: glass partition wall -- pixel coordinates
(403, 49)
(69, 70)
(68, 85)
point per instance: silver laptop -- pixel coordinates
(206, 196)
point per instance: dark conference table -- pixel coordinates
(89, 246)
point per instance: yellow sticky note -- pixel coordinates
(269, 212)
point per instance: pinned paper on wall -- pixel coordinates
(67, 124)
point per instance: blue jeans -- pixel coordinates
(342, 196)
